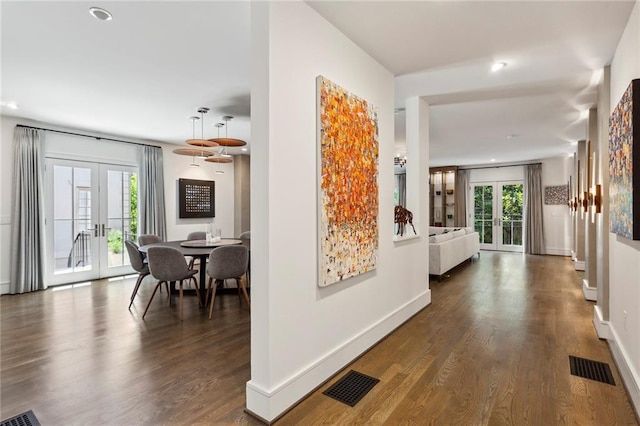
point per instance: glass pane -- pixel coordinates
(512, 208)
(483, 212)
(71, 219)
(121, 209)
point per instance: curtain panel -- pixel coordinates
(534, 227)
(151, 203)
(28, 260)
(461, 197)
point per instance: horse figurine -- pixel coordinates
(402, 217)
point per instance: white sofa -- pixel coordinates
(448, 247)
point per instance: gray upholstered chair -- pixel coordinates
(227, 262)
(198, 235)
(167, 264)
(145, 239)
(246, 235)
(137, 263)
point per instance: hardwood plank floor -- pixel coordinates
(492, 348)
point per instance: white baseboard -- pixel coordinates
(573, 255)
(578, 265)
(558, 252)
(629, 375)
(590, 293)
(269, 404)
(4, 287)
(601, 326)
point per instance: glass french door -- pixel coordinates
(91, 210)
(498, 215)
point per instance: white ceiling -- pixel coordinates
(144, 73)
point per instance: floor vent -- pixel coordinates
(24, 419)
(351, 388)
(593, 370)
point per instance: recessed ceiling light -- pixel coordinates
(498, 66)
(493, 160)
(100, 13)
(584, 114)
(244, 149)
(9, 104)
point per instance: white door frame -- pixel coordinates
(95, 248)
(496, 219)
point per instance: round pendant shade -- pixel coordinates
(228, 142)
(218, 160)
(193, 152)
(201, 142)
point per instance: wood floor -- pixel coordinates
(492, 348)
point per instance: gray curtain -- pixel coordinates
(461, 197)
(151, 206)
(28, 267)
(534, 229)
(402, 189)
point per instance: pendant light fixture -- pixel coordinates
(222, 156)
(227, 141)
(201, 143)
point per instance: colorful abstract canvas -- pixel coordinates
(624, 157)
(348, 184)
(556, 195)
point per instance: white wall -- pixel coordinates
(73, 147)
(177, 167)
(302, 334)
(624, 254)
(557, 221)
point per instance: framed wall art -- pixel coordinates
(196, 198)
(555, 195)
(624, 164)
(348, 184)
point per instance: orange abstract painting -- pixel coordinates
(348, 166)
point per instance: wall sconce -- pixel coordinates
(597, 199)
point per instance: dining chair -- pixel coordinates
(198, 235)
(145, 239)
(227, 262)
(137, 263)
(166, 264)
(246, 235)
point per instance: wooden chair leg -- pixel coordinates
(206, 298)
(244, 290)
(135, 289)
(213, 297)
(152, 294)
(181, 314)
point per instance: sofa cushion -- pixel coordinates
(459, 233)
(441, 237)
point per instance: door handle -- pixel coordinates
(103, 229)
(95, 230)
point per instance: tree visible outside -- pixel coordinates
(114, 237)
(133, 227)
(512, 208)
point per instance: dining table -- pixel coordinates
(199, 249)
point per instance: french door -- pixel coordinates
(91, 210)
(498, 215)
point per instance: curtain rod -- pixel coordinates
(85, 136)
(498, 167)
